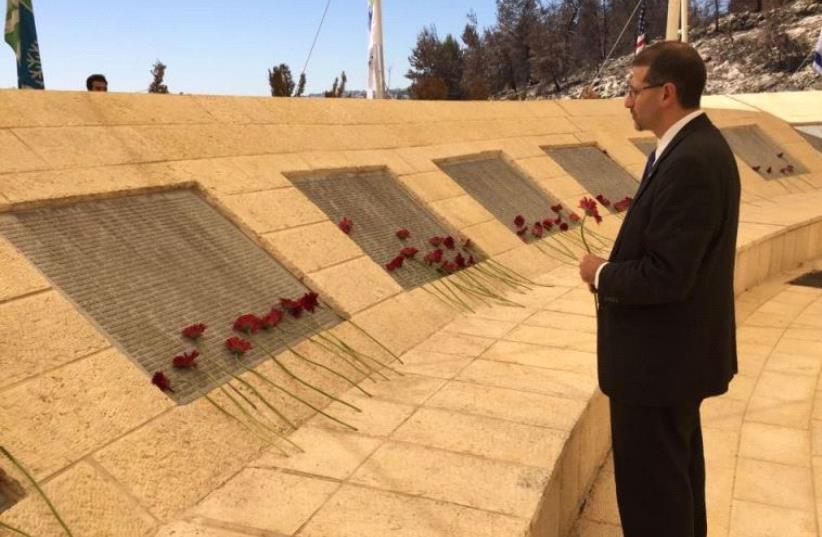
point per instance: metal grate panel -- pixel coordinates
(811, 279)
(378, 206)
(811, 133)
(761, 153)
(144, 267)
(502, 190)
(594, 170)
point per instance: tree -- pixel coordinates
(475, 81)
(433, 60)
(280, 80)
(338, 88)
(158, 71)
(300, 86)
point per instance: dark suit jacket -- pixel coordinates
(666, 300)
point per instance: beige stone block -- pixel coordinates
(741, 388)
(785, 387)
(589, 528)
(266, 499)
(41, 332)
(377, 417)
(528, 408)
(450, 343)
(363, 512)
(553, 337)
(602, 505)
(539, 356)
(484, 437)
(722, 413)
(504, 313)
(775, 444)
(89, 503)
(762, 335)
(775, 411)
(274, 210)
(578, 323)
(70, 147)
(750, 519)
(354, 285)
(543, 169)
(492, 237)
(99, 399)
(461, 211)
(15, 156)
(328, 453)
(186, 142)
(312, 247)
(175, 460)
(422, 159)
(388, 158)
(774, 484)
(536, 379)
(477, 326)
(431, 186)
(408, 389)
(326, 160)
(186, 529)
(433, 364)
(34, 108)
(794, 364)
(439, 475)
(19, 275)
(721, 448)
(570, 493)
(405, 320)
(806, 334)
(719, 497)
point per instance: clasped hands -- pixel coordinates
(588, 265)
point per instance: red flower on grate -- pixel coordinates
(470, 261)
(789, 167)
(590, 207)
(756, 168)
(769, 169)
(449, 242)
(403, 234)
(194, 331)
(573, 217)
(185, 360)
(603, 200)
(779, 155)
(434, 256)
(556, 208)
(563, 227)
(272, 319)
(409, 251)
(521, 231)
(435, 241)
(519, 221)
(345, 225)
(467, 244)
(537, 230)
(294, 307)
(309, 301)
(160, 380)
(547, 224)
(237, 346)
(459, 260)
(395, 263)
(247, 324)
(623, 204)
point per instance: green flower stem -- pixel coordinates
(375, 340)
(245, 426)
(350, 352)
(470, 292)
(42, 494)
(5, 526)
(259, 422)
(325, 367)
(496, 272)
(494, 275)
(516, 275)
(446, 297)
(339, 354)
(560, 247)
(438, 297)
(301, 381)
(482, 291)
(364, 356)
(582, 235)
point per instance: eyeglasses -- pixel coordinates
(632, 93)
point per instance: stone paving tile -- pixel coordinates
(795, 414)
(440, 475)
(477, 326)
(775, 444)
(540, 356)
(588, 528)
(536, 379)
(750, 519)
(408, 389)
(187, 529)
(784, 387)
(378, 418)
(266, 500)
(794, 364)
(554, 337)
(564, 321)
(433, 364)
(449, 343)
(722, 413)
(362, 512)
(774, 484)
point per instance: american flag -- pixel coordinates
(640, 30)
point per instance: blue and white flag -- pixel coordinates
(21, 35)
(817, 55)
(641, 30)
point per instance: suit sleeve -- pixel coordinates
(685, 216)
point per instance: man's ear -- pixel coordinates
(669, 93)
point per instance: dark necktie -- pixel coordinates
(649, 165)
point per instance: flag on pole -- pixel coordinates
(376, 82)
(21, 35)
(640, 30)
(817, 55)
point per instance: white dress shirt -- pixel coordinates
(661, 144)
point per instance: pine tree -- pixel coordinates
(158, 72)
(280, 81)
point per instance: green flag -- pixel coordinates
(21, 35)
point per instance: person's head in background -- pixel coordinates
(97, 83)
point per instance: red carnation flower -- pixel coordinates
(573, 217)
(521, 231)
(403, 234)
(345, 225)
(248, 323)
(470, 261)
(449, 242)
(185, 360)
(459, 260)
(563, 227)
(756, 168)
(547, 224)
(537, 230)
(409, 251)
(603, 200)
(519, 221)
(450, 266)
(623, 204)
(272, 319)
(237, 346)
(395, 263)
(309, 301)
(434, 256)
(160, 380)
(556, 208)
(779, 155)
(435, 241)
(590, 208)
(789, 167)
(194, 331)
(558, 220)
(292, 306)
(769, 169)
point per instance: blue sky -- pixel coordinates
(225, 47)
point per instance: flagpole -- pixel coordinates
(380, 67)
(672, 28)
(684, 20)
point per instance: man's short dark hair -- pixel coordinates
(678, 63)
(95, 78)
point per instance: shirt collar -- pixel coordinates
(673, 130)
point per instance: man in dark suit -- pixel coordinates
(666, 329)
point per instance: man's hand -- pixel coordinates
(588, 266)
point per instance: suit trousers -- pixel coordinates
(659, 468)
